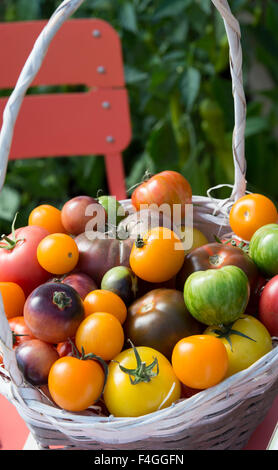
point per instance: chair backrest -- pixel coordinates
(83, 52)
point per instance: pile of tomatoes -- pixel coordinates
(135, 323)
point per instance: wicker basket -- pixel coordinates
(222, 417)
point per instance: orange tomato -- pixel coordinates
(158, 256)
(200, 363)
(58, 253)
(101, 300)
(101, 334)
(13, 299)
(48, 217)
(75, 384)
(250, 213)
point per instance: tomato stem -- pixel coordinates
(61, 300)
(94, 357)
(226, 332)
(11, 241)
(15, 335)
(142, 373)
(139, 242)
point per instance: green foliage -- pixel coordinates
(177, 73)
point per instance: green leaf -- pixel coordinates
(170, 9)
(143, 163)
(190, 86)
(254, 125)
(133, 75)
(127, 17)
(205, 5)
(162, 146)
(9, 203)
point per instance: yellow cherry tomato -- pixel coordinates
(200, 361)
(245, 341)
(101, 334)
(48, 217)
(139, 382)
(157, 256)
(251, 212)
(101, 300)
(58, 253)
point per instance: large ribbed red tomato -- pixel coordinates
(18, 258)
(167, 187)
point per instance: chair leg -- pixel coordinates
(115, 175)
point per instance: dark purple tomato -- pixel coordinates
(99, 255)
(159, 320)
(77, 216)
(34, 360)
(81, 282)
(53, 312)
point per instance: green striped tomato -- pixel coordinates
(263, 249)
(217, 297)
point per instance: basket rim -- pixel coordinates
(262, 366)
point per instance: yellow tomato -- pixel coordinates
(134, 389)
(199, 239)
(245, 341)
(48, 217)
(101, 300)
(58, 253)
(157, 256)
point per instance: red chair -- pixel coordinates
(83, 52)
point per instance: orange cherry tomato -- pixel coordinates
(250, 213)
(200, 363)
(75, 384)
(101, 300)
(101, 334)
(48, 217)
(58, 253)
(158, 256)
(13, 299)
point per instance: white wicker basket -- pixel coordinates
(222, 417)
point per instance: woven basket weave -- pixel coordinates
(222, 417)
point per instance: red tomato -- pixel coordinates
(66, 348)
(21, 332)
(167, 187)
(18, 258)
(268, 306)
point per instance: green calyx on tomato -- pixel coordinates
(87, 357)
(250, 341)
(143, 372)
(232, 242)
(61, 299)
(11, 241)
(217, 296)
(225, 331)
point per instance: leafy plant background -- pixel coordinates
(177, 74)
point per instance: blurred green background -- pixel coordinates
(177, 74)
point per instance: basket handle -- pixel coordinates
(33, 64)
